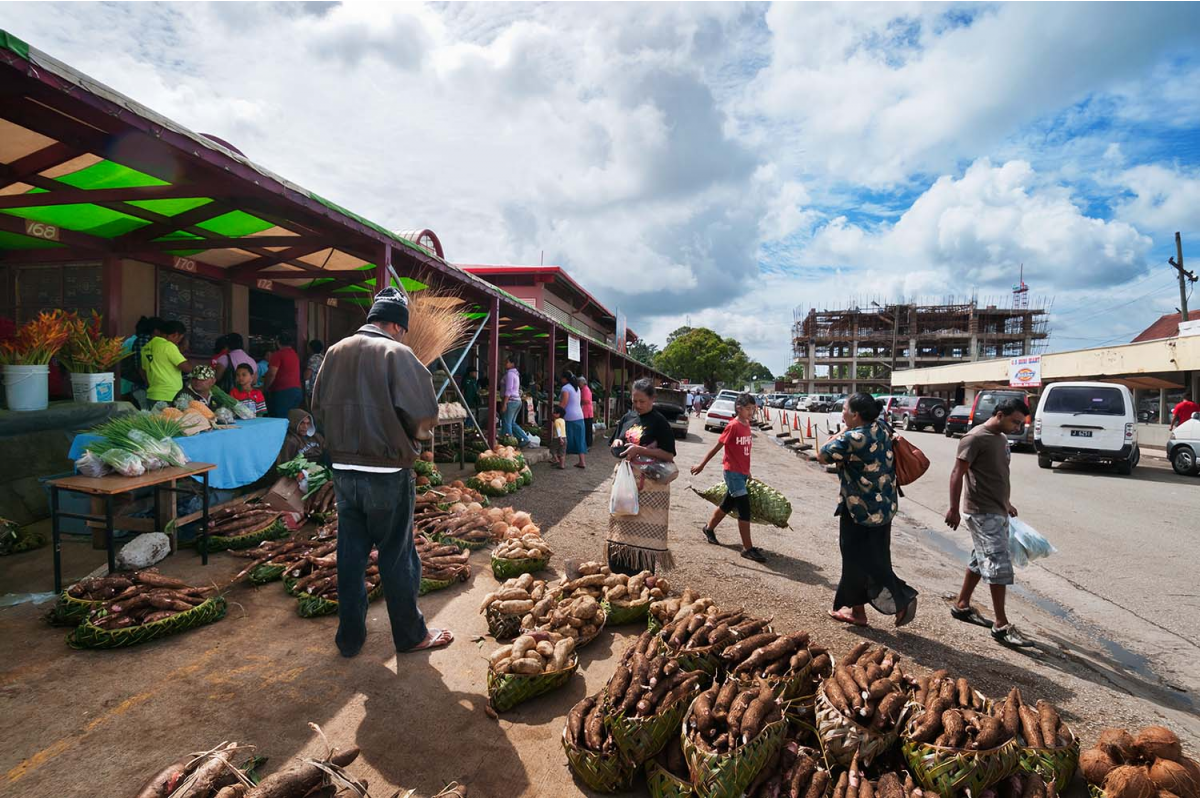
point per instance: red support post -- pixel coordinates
(551, 383)
(494, 369)
(608, 386)
(110, 282)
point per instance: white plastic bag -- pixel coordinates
(623, 502)
(535, 440)
(1025, 544)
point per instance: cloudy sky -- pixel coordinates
(712, 163)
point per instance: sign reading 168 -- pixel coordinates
(41, 230)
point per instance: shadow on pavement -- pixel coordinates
(1142, 472)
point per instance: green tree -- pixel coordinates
(643, 351)
(757, 371)
(700, 355)
(795, 371)
(680, 331)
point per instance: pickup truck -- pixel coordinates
(670, 403)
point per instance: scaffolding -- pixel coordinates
(857, 347)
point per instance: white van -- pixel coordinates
(1087, 421)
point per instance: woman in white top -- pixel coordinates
(576, 435)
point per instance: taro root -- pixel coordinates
(1128, 781)
(1158, 742)
(1095, 765)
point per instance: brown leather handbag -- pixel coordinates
(910, 462)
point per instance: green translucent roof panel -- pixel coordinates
(82, 217)
(235, 223)
(15, 241)
(109, 175)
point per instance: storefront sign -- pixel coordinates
(572, 349)
(264, 284)
(331, 301)
(40, 230)
(1025, 371)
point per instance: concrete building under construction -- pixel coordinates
(856, 349)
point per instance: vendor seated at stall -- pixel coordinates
(244, 392)
(302, 438)
(199, 387)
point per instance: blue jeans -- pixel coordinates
(509, 427)
(376, 510)
(283, 401)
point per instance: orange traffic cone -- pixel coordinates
(796, 417)
(809, 432)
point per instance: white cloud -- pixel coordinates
(1164, 199)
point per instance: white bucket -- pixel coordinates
(92, 387)
(27, 386)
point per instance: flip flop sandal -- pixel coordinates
(910, 613)
(970, 616)
(438, 638)
(847, 619)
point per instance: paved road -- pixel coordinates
(1127, 549)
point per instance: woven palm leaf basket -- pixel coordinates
(729, 774)
(462, 544)
(505, 568)
(508, 691)
(602, 772)
(694, 658)
(429, 585)
(267, 533)
(631, 614)
(841, 737)
(640, 738)
(1056, 765)
(952, 772)
(93, 637)
(502, 627)
(70, 610)
(309, 605)
(787, 687)
(266, 572)
(661, 783)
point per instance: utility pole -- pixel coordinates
(1184, 277)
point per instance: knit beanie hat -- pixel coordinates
(391, 305)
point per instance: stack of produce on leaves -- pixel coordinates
(869, 687)
(574, 610)
(294, 557)
(783, 660)
(243, 524)
(476, 527)
(79, 598)
(502, 459)
(730, 734)
(15, 539)
(426, 471)
(1151, 764)
(451, 411)
(672, 609)
(314, 581)
(441, 563)
(132, 444)
(321, 502)
(794, 771)
(524, 553)
(629, 596)
(448, 495)
(767, 506)
(592, 752)
(495, 483)
(151, 606)
(535, 663)
(1049, 748)
(515, 598)
(855, 783)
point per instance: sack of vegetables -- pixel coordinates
(643, 720)
(534, 664)
(726, 746)
(145, 612)
(592, 752)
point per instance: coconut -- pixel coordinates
(1171, 776)
(1158, 742)
(427, 455)
(1129, 781)
(1095, 765)
(1118, 744)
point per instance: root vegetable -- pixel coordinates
(296, 780)
(162, 784)
(1030, 727)
(576, 717)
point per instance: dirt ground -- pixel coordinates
(94, 723)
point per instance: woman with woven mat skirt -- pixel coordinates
(576, 434)
(644, 436)
(866, 468)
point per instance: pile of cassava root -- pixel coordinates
(794, 771)
(855, 783)
(671, 609)
(139, 599)
(517, 596)
(633, 590)
(532, 654)
(442, 562)
(586, 728)
(769, 655)
(577, 618)
(725, 717)
(298, 554)
(321, 579)
(241, 518)
(868, 686)
(718, 630)
(648, 681)
(321, 502)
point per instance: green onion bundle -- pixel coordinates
(115, 432)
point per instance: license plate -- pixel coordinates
(1084, 434)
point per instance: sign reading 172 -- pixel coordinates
(40, 230)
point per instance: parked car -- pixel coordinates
(719, 415)
(957, 421)
(1183, 446)
(985, 403)
(792, 402)
(836, 402)
(1087, 421)
(919, 413)
(670, 403)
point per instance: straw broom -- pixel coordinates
(435, 325)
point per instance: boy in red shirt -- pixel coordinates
(736, 440)
(244, 390)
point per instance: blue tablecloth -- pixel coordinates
(242, 454)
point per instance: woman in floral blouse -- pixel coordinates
(863, 455)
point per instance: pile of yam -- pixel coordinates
(298, 553)
(576, 617)
(1151, 764)
(727, 716)
(765, 654)
(633, 590)
(585, 726)
(648, 681)
(442, 562)
(518, 596)
(241, 518)
(533, 653)
(794, 771)
(139, 599)
(529, 546)
(868, 687)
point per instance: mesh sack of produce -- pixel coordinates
(767, 506)
(842, 737)
(310, 605)
(93, 637)
(505, 568)
(497, 463)
(502, 626)
(951, 772)
(660, 782)
(1056, 765)
(275, 529)
(640, 738)
(602, 772)
(626, 614)
(510, 690)
(728, 774)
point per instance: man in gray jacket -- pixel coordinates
(374, 400)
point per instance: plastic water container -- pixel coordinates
(27, 386)
(93, 387)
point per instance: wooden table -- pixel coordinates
(109, 486)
